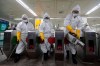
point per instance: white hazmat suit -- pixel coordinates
(46, 27)
(76, 22)
(22, 27)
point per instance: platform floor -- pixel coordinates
(34, 62)
(38, 62)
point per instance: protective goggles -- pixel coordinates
(46, 18)
(75, 12)
(24, 18)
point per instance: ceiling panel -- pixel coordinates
(10, 9)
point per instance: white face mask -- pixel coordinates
(25, 20)
(75, 15)
(47, 20)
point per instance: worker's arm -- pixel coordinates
(18, 34)
(80, 26)
(67, 23)
(41, 31)
(70, 29)
(78, 33)
(42, 35)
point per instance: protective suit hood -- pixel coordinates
(25, 18)
(76, 11)
(46, 17)
(77, 7)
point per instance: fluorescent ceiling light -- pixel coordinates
(21, 18)
(26, 7)
(93, 9)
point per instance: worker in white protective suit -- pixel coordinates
(22, 31)
(45, 30)
(73, 24)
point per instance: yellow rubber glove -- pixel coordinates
(42, 35)
(70, 29)
(78, 33)
(18, 36)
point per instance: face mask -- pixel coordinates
(25, 20)
(75, 15)
(47, 20)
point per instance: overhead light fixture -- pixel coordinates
(26, 7)
(93, 9)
